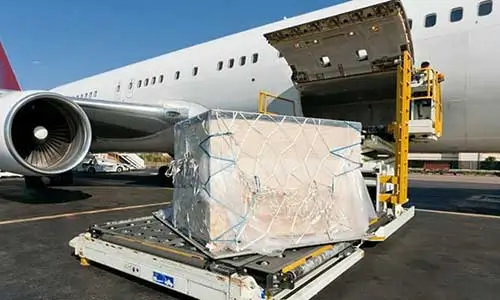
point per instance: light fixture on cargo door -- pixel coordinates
(362, 54)
(325, 61)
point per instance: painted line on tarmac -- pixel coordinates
(80, 213)
(458, 213)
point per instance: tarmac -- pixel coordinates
(450, 250)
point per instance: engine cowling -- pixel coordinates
(44, 133)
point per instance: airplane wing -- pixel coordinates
(118, 126)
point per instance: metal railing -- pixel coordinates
(432, 83)
(263, 103)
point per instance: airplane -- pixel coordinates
(337, 62)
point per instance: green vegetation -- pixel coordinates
(155, 157)
(490, 163)
(455, 172)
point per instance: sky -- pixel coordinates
(52, 42)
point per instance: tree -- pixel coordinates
(490, 163)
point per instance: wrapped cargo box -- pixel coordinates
(253, 183)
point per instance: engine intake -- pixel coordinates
(44, 133)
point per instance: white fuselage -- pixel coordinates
(463, 51)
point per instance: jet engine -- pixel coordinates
(43, 133)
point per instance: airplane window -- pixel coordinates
(130, 85)
(195, 71)
(86, 95)
(410, 23)
(177, 75)
(146, 82)
(231, 62)
(430, 20)
(118, 88)
(485, 8)
(161, 78)
(139, 83)
(220, 64)
(95, 93)
(153, 80)
(243, 60)
(255, 57)
(456, 14)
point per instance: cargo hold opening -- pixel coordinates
(345, 62)
(369, 100)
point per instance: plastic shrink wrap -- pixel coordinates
(253, 183)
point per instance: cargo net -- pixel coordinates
(253, 183)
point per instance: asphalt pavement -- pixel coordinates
(448, 251)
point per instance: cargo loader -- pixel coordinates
(152, 249)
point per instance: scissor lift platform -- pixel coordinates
(146, 248)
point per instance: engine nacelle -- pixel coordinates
(43, 133)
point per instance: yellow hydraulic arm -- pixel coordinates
(401, 135)
(400, 128)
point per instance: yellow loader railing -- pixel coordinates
(263, 103)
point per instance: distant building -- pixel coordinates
(472, 161)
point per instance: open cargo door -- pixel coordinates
(360, 44)
(347, 58)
